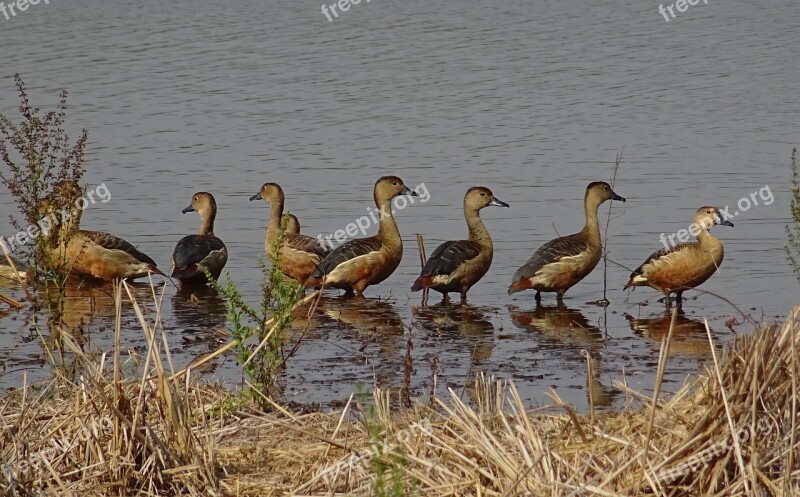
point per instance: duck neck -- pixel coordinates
(274, 226)
(206, 222)
(477, 230)
(592, 227)
(388, 233)
(708, 241)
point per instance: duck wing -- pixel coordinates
(448, 256)
(353, 249)
(550, 252)
(192, 249)
(658, 256)
(113, 242)
(304, 243)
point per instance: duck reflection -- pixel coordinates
(563, 327)
(559, 324)
(598, 394)
(91, 303)
(200, 315)
(688, 338)
(461, 322)
(84, 308)
(374, 322)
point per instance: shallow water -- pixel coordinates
(533, 100)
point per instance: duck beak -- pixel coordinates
(726, 223)
(188, 209)
(614, 196)
(256, 196)
(497, 202)
(408, 191)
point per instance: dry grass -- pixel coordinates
(731, 432)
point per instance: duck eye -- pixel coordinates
(483, 194)
(394, 183)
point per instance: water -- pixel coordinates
(531, 99)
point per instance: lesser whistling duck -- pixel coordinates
(561, 263)
(196, 254)
(93, 254)
(457, 265)
(359, 263)
(685, 265)
(298, 254)
(290, 224)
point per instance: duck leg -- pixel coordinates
(463, 298)
(538, 297)
(679, 299)
(560, 297)
(446, 298)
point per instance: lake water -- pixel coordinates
(532, 99)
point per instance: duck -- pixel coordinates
(562, 262)
(455, 266)
(361, 262)
(298, 255)
(290, 224)
(686, 265)
(89, 254)
(204, 251)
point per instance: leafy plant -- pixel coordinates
(38, 155)
(263, 359)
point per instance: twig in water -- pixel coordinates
(617, 162)
(589, 377)
(408, 368)
(422, 259)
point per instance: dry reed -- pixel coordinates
(731, 431)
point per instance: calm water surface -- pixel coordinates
(533, 99)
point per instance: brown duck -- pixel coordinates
(457, 265)
(561, 263)
(90, 254)
(298, 254)
(686, 265)
(290, 224)
(359, 263)
(196, 254)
